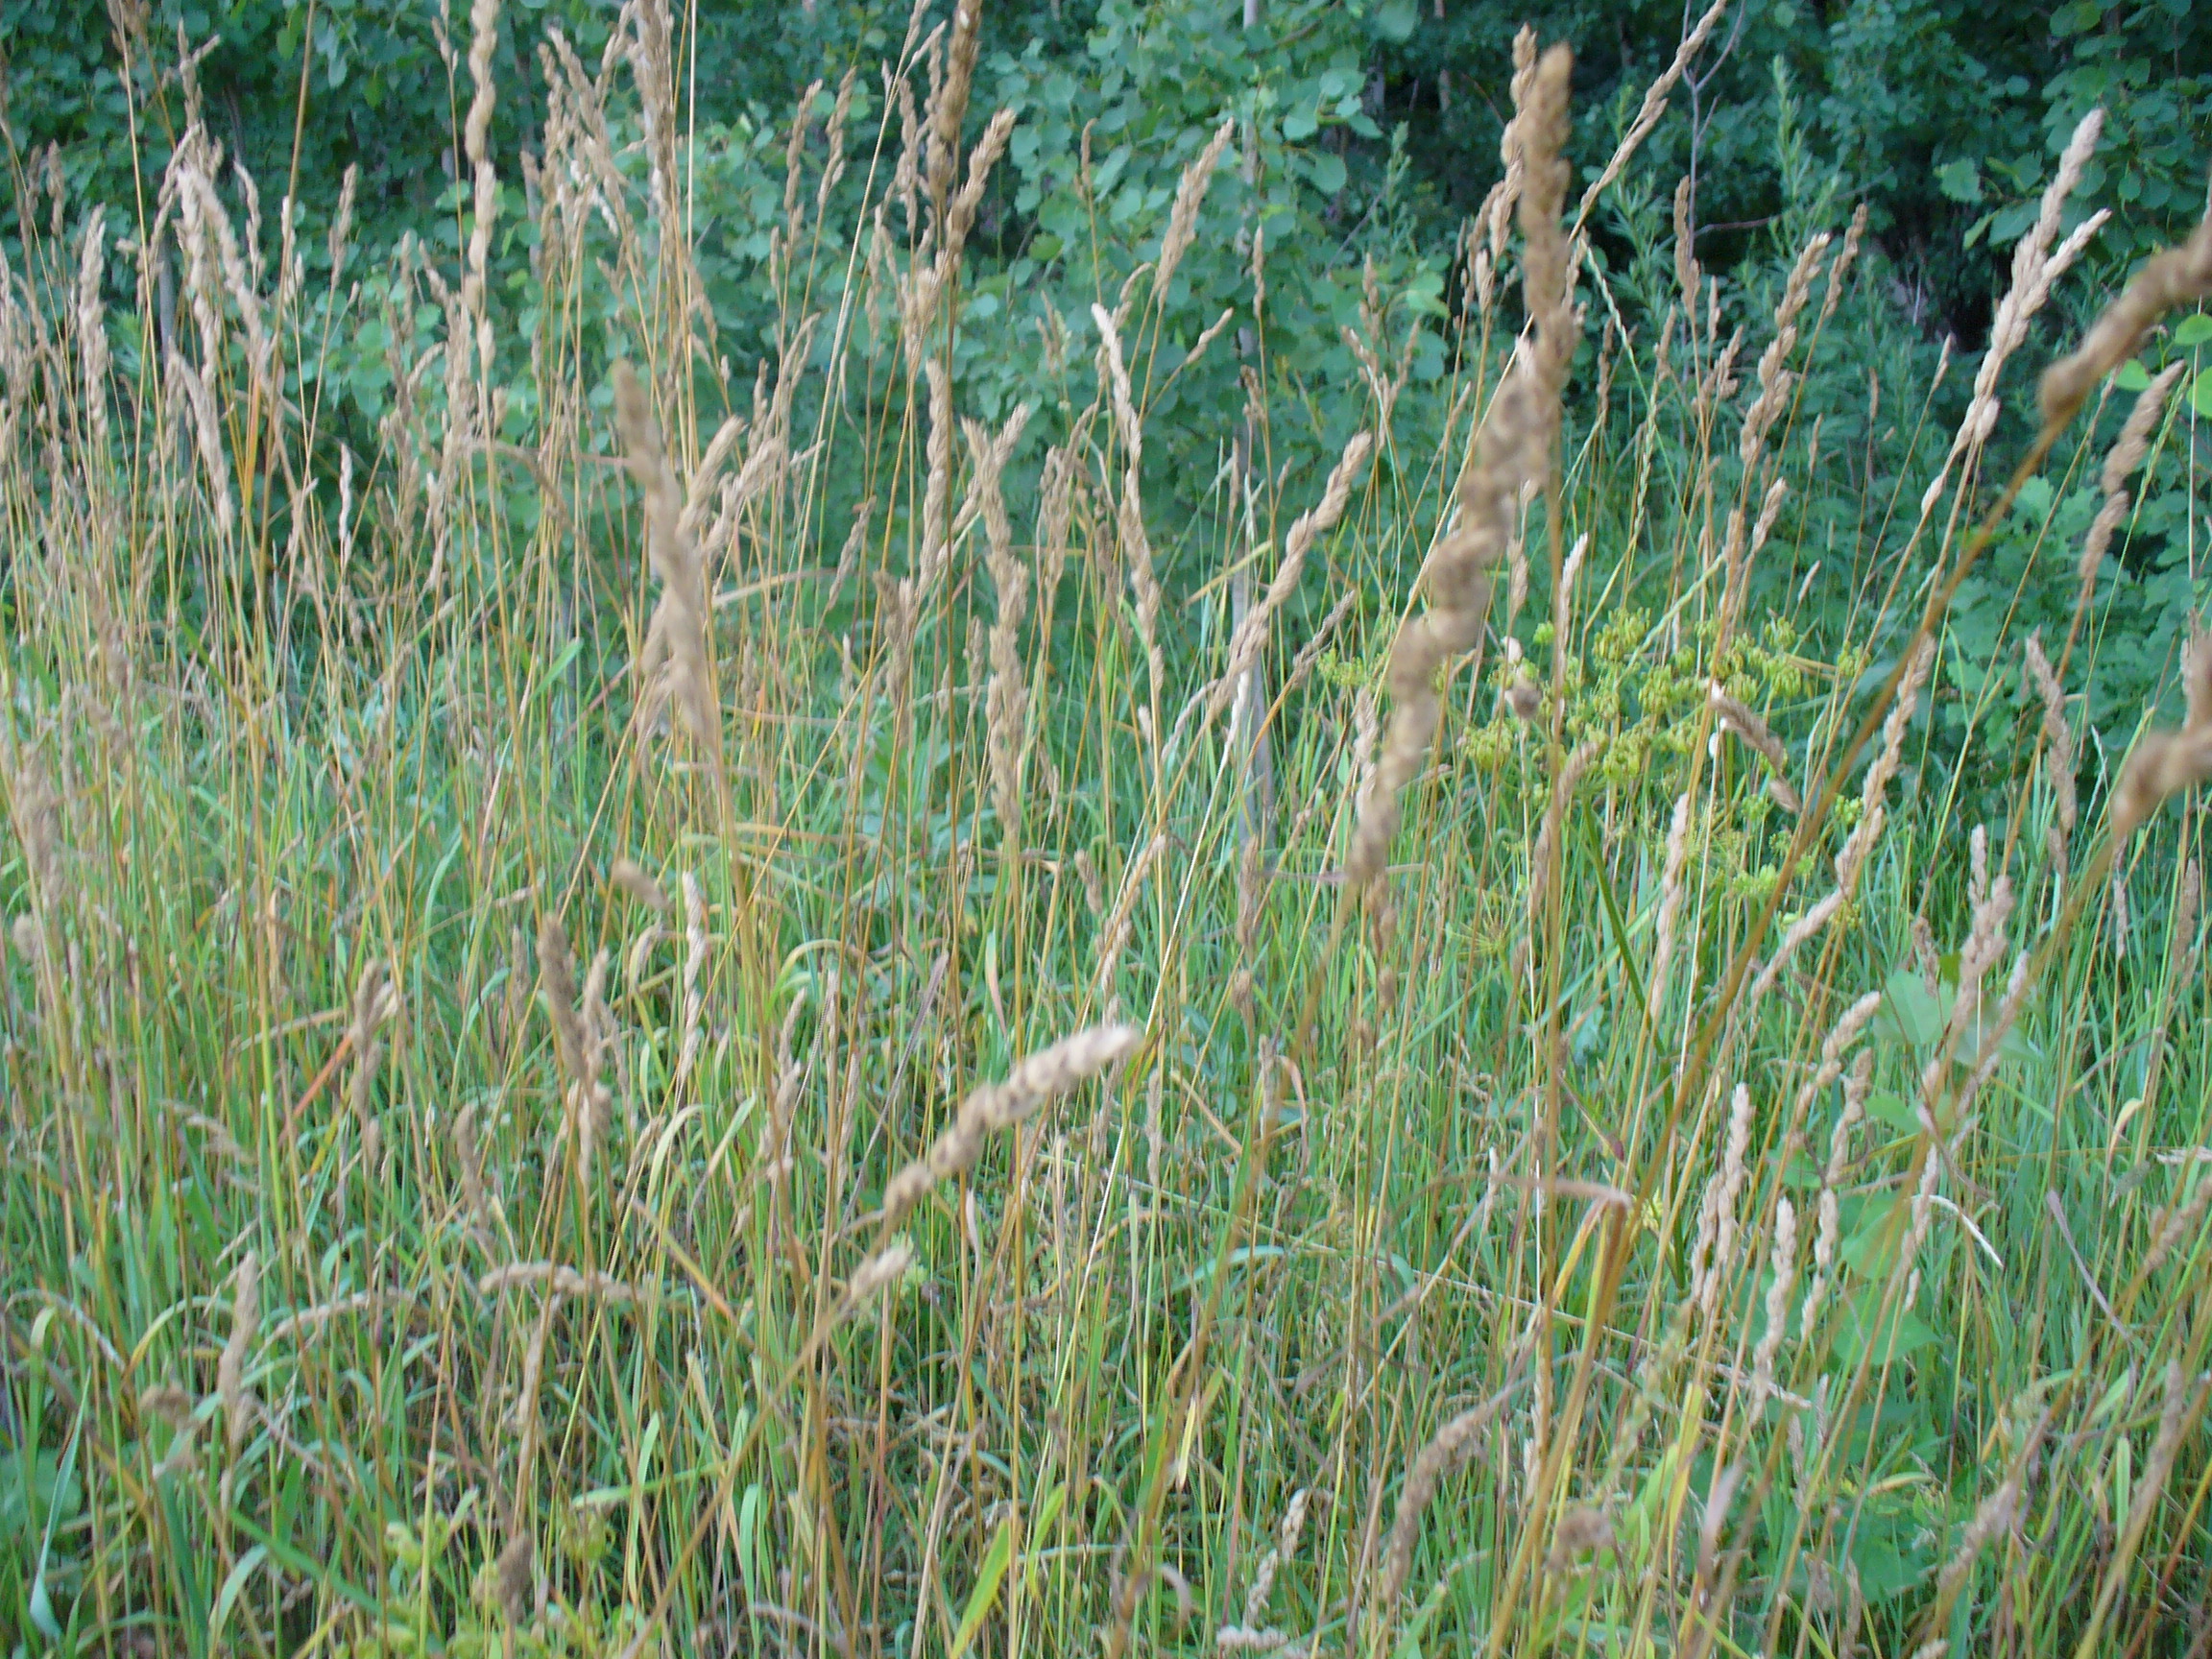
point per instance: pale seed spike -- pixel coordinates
(1251, 635)
(1034, 1080)
(1189, 196)
(231, 1369)
(2173, 277)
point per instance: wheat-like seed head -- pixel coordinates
(1653, 107)
(886, 1268)
(375, 1001)
(679, 619)
(1190, 196)
(1035, 1079)
(1688, 275)
(1782, 1270)
(2058, 733)
(557, 976)
(2161, 766)
(1447, 1449)
(949, 102)
(558, 1279)
(1671, 893)
(1841, 268)
(230, 1368)
(1716, 1226)
(1873, 797)
(1512, 448)
(593, 1096)
(2035, 267)
(2170, 278)
(470, 1155)
(1251, 635)
(1736, 718)
(91, 324)
(1775, 380)
(1114, 937)
(632, 878)
(2120, 462)
(1571, 772)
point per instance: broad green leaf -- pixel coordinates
(1961, 180)
(985, 1594)
(234, 1587)
(1911, 1012)
(1041, 1526)
(1893, 1110)
(1866, 1332)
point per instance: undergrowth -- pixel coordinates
(607, 1051)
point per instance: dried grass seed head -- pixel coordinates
(2170, 278)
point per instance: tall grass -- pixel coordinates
(614, 1045)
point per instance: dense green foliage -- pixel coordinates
(1942, 115)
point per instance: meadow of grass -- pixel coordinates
(602, 1058)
